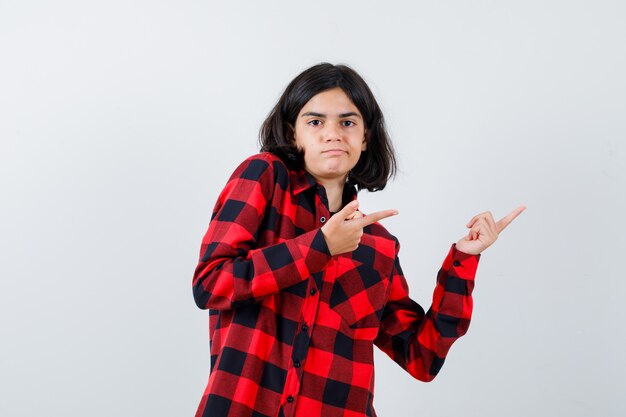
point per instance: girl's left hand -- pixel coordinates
(484, 231)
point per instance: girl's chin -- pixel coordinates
(330, 176)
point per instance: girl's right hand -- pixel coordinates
(343, 231)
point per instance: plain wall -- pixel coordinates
(120, 122)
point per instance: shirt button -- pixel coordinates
(305, 327)
(456, 263)
(313, 291)
(323, 219)
(296, 364)
(290, 399)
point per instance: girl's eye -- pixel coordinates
(347, 123)
(315, 122)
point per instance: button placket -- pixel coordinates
(295, 373)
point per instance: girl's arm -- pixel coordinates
(418, 341)
(232, 270)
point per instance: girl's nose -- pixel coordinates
(332, 133)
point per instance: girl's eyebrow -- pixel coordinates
(320, 115)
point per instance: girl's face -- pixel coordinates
(331, 132)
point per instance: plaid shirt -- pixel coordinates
(292, 328)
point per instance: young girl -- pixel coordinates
(300, 285)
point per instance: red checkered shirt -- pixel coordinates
(292, 328)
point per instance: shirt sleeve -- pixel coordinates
(418, 341)
(232, 269)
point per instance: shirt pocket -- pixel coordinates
(358, 294)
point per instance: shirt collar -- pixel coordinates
(301, 180)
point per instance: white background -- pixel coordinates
(120, 122)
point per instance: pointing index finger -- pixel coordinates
(374, 217)
(506, 220)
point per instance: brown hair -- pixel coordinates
(377, 163)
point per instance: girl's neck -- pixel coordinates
(334, 193)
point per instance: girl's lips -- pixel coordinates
(334, 151)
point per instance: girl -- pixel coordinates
(300, 285)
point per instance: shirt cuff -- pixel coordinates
(313, 250)
(461, 264)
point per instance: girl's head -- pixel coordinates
(376, 163)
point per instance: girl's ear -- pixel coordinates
(365, 140)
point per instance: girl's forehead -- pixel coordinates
(333, 99)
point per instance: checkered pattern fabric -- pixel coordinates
(292, 329)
